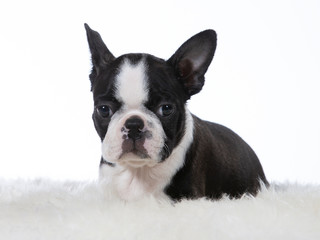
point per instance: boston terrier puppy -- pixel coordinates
(151, 143)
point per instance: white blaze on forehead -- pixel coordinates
(131, 85)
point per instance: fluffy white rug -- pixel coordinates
(47, 210)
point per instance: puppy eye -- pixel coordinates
(105, 111)
(165, 110)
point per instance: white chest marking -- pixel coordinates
(134, 183)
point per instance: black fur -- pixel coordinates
(218, 161)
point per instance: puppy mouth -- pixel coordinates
(134, 154)
(136, 159)
(135, 146)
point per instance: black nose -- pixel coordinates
(135, 125)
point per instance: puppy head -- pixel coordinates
(139, 99)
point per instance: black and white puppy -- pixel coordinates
(151, 143)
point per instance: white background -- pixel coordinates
(263, 82)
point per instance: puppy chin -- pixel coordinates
(134, 161)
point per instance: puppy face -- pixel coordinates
(138, 119)
(139, 99)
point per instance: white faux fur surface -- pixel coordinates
(43, 209)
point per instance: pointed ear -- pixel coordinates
(192, 60)
(100, 54)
